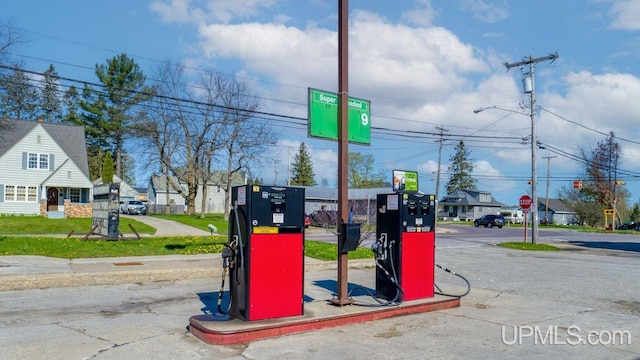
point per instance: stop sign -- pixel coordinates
(525, 202)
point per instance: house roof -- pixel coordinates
(70, 138)
(469, 197)
(159, 183)
(557, 205)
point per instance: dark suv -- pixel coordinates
(489, 221)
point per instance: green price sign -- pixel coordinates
(323, 117)
(405, 181)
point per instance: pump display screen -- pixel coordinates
(278, 202)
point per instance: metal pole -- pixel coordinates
(343, 149)
(546, 199)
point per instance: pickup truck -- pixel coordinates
(133, 207)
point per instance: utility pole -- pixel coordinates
(441, 141)
(529, 87)
(546, 197)
(288, 165)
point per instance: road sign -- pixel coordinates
(323, 117)
(525, 202)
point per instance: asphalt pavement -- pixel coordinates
(497, 319)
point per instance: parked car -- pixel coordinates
(307, 221)
(628, 226)
(133, 207)
(323, 218)
(489, 221)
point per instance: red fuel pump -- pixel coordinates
(266, 236)
(405, 247)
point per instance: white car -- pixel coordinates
(133, 207)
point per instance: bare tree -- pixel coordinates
(245, 140)
(602, 171)
(175, 132)
(205, 134)
(9, 37)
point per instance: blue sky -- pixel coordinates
(423, 64)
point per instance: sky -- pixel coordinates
(425, 65)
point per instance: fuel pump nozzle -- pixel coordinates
(379, 247)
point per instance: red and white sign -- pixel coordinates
(525, 202)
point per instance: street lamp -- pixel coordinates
(534, 165)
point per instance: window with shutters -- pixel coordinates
(38, 161)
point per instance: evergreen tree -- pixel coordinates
(461, 167)
(635, 213)
(255, 181)
(70, 101)
(50, 104)
(303, 174)
(18, 98)
(108, 118)
(107, 168)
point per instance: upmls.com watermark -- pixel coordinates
(556, 335)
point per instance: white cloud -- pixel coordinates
(491, 179)
(200, 11)
(422, 15)
(484, 11)
(626, 15)
(388, 62)
(173, 11)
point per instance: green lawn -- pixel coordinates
(529, 246)
(32, 235)
(37, 225)
(75, 247)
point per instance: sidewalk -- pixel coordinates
(39, 272)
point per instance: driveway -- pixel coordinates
(168, 227)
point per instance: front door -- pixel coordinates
(52, 199)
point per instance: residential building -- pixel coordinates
(44, 170)
(160, 193)
(127, 192)
(467, 205)
(362, 202)
(559, 212)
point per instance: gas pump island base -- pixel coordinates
(318, 314)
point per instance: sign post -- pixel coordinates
(525, 204)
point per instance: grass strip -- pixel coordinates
(529, 246)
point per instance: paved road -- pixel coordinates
(590, 289)
(587, 292)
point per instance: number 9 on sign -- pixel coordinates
(364, 119)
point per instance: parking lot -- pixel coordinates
(583, 289)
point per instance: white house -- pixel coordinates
(44, 169)
(158, 195)
(127, 192)
(467, 205)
